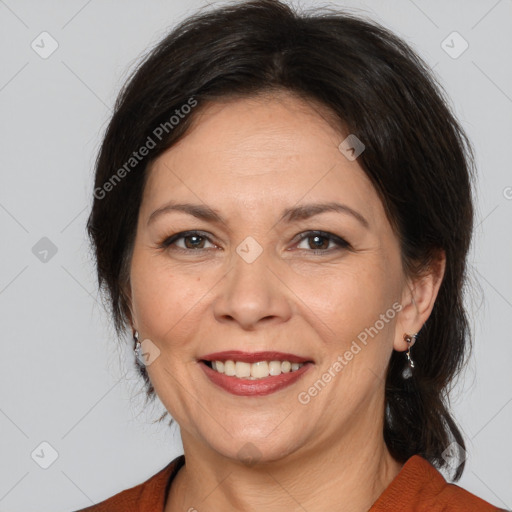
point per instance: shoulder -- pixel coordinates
(453, 497)
(420, 487)
(149, 495)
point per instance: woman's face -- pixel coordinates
(250, 171)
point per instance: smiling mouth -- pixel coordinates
(253, 371)
(255, 374)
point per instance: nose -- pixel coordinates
(251, 294)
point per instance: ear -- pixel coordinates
(126, 292)
(418, 298)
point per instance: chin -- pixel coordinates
(254, 445)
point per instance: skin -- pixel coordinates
(249, 159)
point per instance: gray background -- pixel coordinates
(64, 380)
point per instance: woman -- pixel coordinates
(282, 215)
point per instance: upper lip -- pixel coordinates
(253, 357)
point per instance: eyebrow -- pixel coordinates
(293, 214)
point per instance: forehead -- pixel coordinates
(259, 152)
(271, 125)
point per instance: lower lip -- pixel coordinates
(259, 387)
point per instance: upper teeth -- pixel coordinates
(252, 371)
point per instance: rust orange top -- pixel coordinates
(419, 487)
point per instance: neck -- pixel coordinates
(348, 476)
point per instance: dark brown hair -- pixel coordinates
(417, 157)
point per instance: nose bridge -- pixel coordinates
(250, 290)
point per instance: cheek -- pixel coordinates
(353, 296)
(356, 305)
(161, 297)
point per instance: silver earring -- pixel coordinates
(410, 340)
(138, 348)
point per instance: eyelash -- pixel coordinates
(340, 242)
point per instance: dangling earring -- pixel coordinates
(138, 348)
(410, 339)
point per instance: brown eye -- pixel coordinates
(319, 241)
(192, 241)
